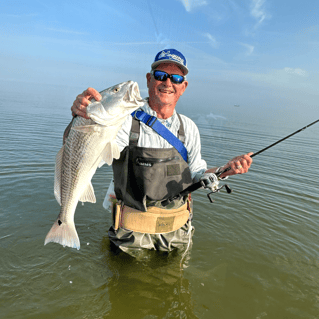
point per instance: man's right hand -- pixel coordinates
(83, 100)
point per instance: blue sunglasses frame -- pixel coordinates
(163, 76)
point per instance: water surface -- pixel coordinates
(254, 253)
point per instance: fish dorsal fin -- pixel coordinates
(110, 151)
(88, 194)
(58, 175)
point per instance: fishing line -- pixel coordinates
(266, 148)
(255, 154)
(298, 131)
(189, 233)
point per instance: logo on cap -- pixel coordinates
(169, 56)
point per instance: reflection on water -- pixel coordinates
(254, 254)
(153, 287)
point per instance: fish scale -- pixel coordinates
(89, 142)
(75, 163)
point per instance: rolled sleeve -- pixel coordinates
(123, 135)
(197, 165)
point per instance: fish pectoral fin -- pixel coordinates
(58, 175)
(87, 128)
(115, 150)
(88, 195)
(101, 163)
(110, 151)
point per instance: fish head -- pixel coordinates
(117, 102)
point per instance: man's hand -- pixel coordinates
(83, 100)
(239, 165)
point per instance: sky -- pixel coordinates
(259, 54)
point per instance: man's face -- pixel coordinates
(165, 93)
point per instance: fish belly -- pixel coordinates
(77, 163)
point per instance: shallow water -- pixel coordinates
(254, 253)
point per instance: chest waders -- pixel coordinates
(143, 179)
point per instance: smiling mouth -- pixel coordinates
(166, 91)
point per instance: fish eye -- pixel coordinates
(116, 89)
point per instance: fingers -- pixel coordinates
(79, 106)
(90, 93)
(243, 163)
(83, 100)
(239, 165)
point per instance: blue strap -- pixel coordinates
(159, 128)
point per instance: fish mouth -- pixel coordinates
(130, 99)
(133, 94)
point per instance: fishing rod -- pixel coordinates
(298, 131)
(204, 184)
(255, 154)
(273, 144)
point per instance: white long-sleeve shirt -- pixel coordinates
(149, 138)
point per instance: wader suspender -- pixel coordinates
(159, 128)
(154, 220)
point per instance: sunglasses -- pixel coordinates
(163, 76)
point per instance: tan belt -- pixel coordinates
(154, 221)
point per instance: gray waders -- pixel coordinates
(143, 179)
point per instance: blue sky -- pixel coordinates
(256, 53)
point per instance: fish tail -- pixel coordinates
(64, 234)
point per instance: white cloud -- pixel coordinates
(191, 4)
(163, 41)
(258, 11)
(289, 78)
(207, 118)
(211, 39)
(297, 71)
(23, 15)
(67, 31)
(250, 48)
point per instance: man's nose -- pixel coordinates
(168, 82)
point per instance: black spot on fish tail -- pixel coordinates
(59, 222)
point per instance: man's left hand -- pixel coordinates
(239, 165)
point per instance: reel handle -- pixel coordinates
(228, 190)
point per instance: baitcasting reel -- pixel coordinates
(211, 181)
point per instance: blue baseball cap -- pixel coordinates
(170, 56)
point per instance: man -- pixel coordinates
(148, 211)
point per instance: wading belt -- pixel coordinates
(155, 221)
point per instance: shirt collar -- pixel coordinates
(169, 122)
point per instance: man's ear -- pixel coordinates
(148, 78)
(185, 83)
